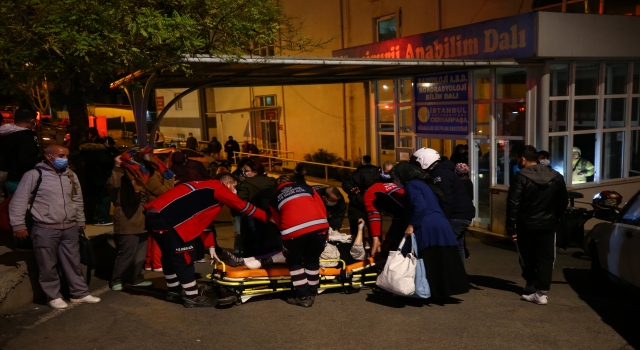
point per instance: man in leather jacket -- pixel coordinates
(537, 198)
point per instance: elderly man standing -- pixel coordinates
(50, 194)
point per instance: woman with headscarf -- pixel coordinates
(161, 179)
(126, 189)
(437, 244)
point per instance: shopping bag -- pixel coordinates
(399, 273)
(422, 285)
(87, 256)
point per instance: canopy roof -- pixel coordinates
(283, 70)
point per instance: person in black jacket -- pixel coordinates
(299, 174)
(536, 201)
(335, 205)
(19, 147)
(457, 205)
(231, 146)
(355, 187)
(192, 143)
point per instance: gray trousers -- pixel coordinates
(52, 246)
(132, 250)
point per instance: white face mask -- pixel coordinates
(330, 204)
(545, 162)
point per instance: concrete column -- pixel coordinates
(543, 109)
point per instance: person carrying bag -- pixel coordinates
(398, 275)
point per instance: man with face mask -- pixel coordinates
(177, 217)
(335, 205)
(536, 201)
(52, 195)
(19, 147)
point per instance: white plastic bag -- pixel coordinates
(398, 275)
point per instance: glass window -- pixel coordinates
(406, 119)
(631, 216)
(559, 80)
(178, 103)
(507, 165)
(636, 78)
(635, 153)
(385, 91)
(386, 28)
(587, 79)
(614, 112)
(387, 148)
(482, 119)
(584, 114)
(386, 118)
(482, 84)
(510, 119)
(613, 155)
(482, 180)
(635, 112)
(405, 141)
(616, 79)
(511, 83)
(557, 152)
(558, 112)
(406, 86)
(583, 154)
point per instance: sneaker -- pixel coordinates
(58, 304)
(528, 289)
(537, 297)
(142, 284)
(201, 261)
(89, 299)
(304, 301)
(157, 270)
(147, 268)
(200, 301)
(117, 287)
(173, 296)
(104, 223)
(230, 259)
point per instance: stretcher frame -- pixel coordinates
(349, 278)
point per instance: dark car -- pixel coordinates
(615, 245)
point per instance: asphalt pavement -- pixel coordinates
(583, 313)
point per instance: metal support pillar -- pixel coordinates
(139, 99)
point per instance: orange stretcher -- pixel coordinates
(246, 283)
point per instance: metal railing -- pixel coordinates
(295, 161)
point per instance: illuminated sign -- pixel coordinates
(442, 119)
(510, 37)
(442, 87)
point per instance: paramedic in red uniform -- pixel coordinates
(177, 217)
(299, 213)
(385, 198)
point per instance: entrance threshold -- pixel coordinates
(475, 230)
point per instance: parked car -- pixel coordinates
(615, 245)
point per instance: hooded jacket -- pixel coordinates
(57, 205)
(537, 199)
(457, 204)
(19, 150)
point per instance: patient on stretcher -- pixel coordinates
(339, 246)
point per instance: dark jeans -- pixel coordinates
(130, 259)
(303, 259)
(353, 215)
(537, 248)
(458, 226)
(103, 207)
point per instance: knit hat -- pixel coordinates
(462, 169)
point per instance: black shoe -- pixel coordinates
(173, 296)
(199, 301)
(104, 223)
(230, 259)
(304, 301)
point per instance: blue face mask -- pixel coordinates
(385, 176)
(60, 163)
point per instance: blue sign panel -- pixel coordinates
(442, 119)
(509, 37)
(442, 87)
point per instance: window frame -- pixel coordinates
(600, 130)
(178, 104)
(376, 26)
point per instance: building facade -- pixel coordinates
(576, 85)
